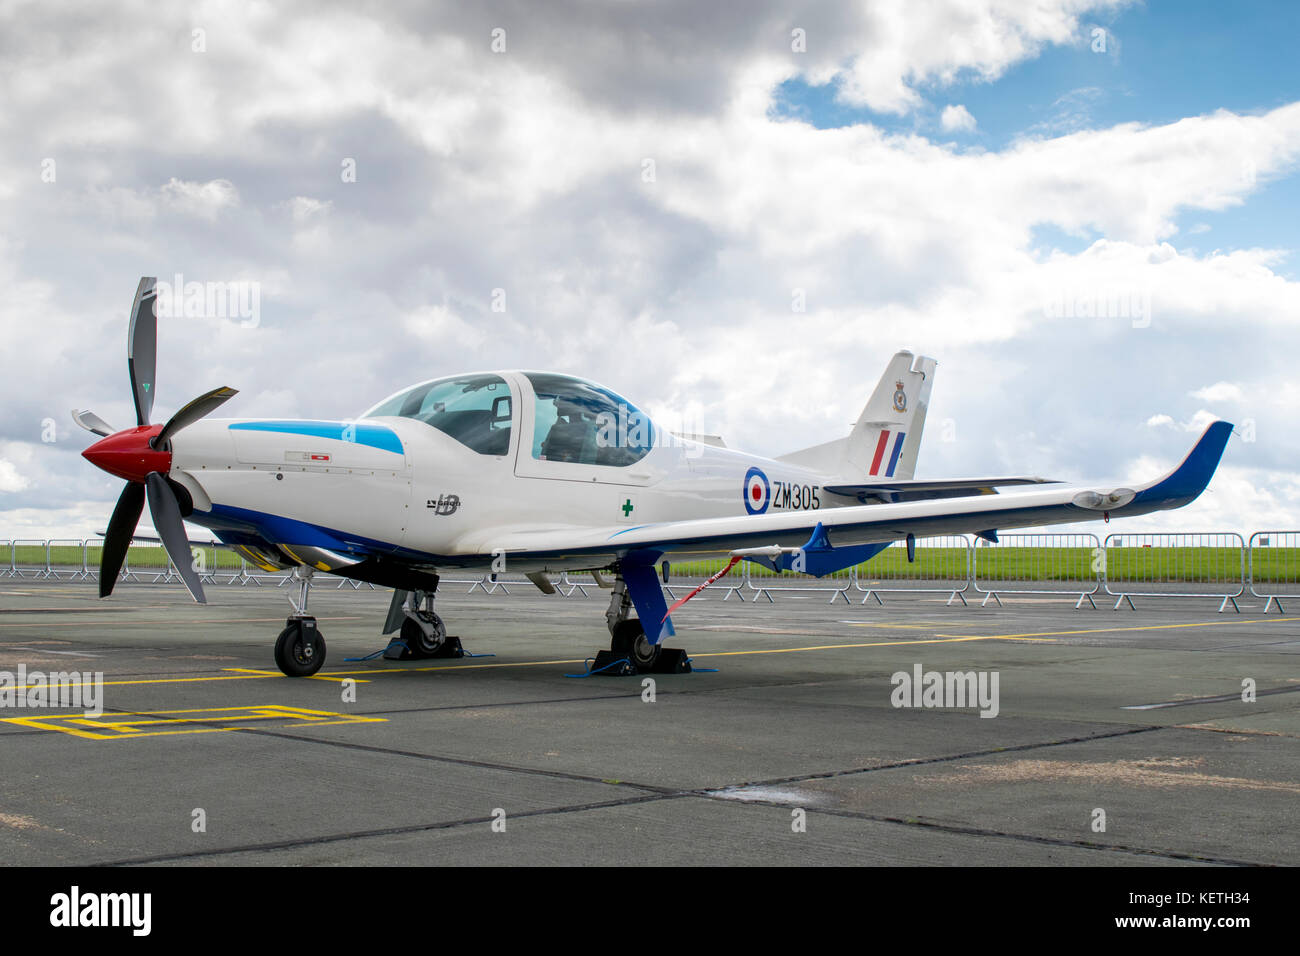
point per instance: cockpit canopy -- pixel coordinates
(473, 409)
(584, 423)
(574, 421)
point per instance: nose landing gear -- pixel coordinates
(300, 648)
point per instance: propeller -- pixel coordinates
(143, 456)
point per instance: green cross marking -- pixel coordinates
(627, 507)
(146, 386)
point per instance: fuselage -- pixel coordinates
(434, 481)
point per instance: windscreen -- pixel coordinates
(475, 410)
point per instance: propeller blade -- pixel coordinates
(118, 537)
(167, 520)
(203, 405)
(92, 423)
(142, 348)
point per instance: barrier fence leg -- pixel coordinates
(872, 594)
(574, 586)
(1270, 602)
(994, 596)
(1229, 598)
(1122, 599)
(956, 594)
(1085, 596)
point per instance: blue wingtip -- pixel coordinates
(1189, 479)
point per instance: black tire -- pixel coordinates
(299, 650)
(419, 643)
(629, 641)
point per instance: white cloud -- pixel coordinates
(205, 200)
(304, 209)
(10, 479)
(1219, 392)
(956, 118)
(907, 44)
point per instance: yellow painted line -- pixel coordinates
(1041, 637)
(1140, 627)
(948, 639)
(921, 626)
(324, 675)
(166, 680)
(122, 726)
(250, 674)
(185, 622)
(454, 667)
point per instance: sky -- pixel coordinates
(1085, 210)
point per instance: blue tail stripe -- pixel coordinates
(893, 455)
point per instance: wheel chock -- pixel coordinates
(609, 664)
(671, 660)
(398, 651)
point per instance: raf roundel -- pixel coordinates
(757, 491)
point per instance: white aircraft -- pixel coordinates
(544, 473)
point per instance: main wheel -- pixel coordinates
(629, 641)
(421, 644)
(300, 649)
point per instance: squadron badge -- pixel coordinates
(900, 398)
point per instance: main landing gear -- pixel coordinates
(424, 634)
(300, 648)
(628, 643)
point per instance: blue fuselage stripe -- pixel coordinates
(359, 433)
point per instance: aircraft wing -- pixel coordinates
(912, 489)
(864, 525)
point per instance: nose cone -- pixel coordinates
(128, 454)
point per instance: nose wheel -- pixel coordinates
(300, 649)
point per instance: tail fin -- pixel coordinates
(887, 436)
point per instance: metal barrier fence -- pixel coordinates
(65, 558)
(1274, 563)
(943, 565)
(1208, 564)
(30, 559)
(148, 563)
(837, 583)
(697, 572)
(1039, 564)
(1213, 564)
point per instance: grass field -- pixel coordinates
(1149, 565)
(142, 557)
(1152, 565)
